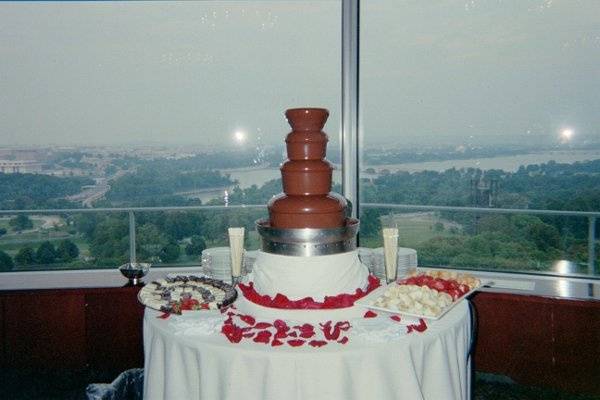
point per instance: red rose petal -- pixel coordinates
(248, 319)
(307, 334)
(370, 314)
(317, 343)
(248, 334)
(263, 337)
(343, 340)
(343, 325)
(280, 325)
(276, 342)
(281, 335)
(396, 318)
(262, 325)
(296, 342)
(422, 327)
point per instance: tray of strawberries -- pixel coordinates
(429, 294)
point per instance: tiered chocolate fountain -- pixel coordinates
(307, 219)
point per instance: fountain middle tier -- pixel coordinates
(320, 211)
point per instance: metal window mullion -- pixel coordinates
(132, 244)
(350, 99)
(591, 246)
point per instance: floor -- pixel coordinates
(35, 387)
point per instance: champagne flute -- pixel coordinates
(390, 250)
(236, 246)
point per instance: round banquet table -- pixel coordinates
(186, 364)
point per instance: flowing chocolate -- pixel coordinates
(307, 201)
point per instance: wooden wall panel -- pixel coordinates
(45, 330)
(2, 335)
(114, 332)
(540, 341)
(576, 349)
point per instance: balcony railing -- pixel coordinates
(132, 227)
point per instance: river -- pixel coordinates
(258, 176)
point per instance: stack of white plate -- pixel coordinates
(407, 259)
(216, 262)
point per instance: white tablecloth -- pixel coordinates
(195, 364)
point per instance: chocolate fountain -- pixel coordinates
(307, 218)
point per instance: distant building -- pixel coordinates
(20, 167)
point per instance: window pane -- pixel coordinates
(483, 104)
(119, 104)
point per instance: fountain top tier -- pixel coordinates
(307, 201)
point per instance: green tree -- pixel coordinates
(25, 256)
(46, 253)
(20, 223)
(67, 251)
(6, 262)
(196, 246)
(544, 236)
(110, 241)
(169, 253)
(150, 242)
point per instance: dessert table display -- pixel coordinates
(187, 357)
(297, 329)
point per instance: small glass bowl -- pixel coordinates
(134, 272)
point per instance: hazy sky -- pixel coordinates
(196, 72)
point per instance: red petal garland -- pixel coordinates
(330, 302)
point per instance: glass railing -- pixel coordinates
(508, 240)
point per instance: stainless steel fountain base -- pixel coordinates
(308, 241)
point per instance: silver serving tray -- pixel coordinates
(308, 242)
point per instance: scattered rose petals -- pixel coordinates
(370, 314)
(296, 342)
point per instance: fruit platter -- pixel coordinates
(175, 294)
(428, 294)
